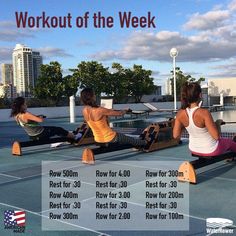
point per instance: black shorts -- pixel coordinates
(50, 131)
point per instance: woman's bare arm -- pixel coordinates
(210, 125)
(178, 128)
(110, 112)
(28, 116)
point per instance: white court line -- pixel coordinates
(10, 176)
(31, 176)
(18, 178)
(37, 214)
(120, 200)
(133, 203)
(173, 158)
(85, 200)
(37, 175)
(113, 157)
(119, 163)
(139, 204)
(94, 198)
(114, 189)
(79, 156)
(41, 174)
(73, 157)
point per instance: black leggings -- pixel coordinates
(123, 139)
(50, 131)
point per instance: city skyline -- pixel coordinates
(26, 69)
(203, 31)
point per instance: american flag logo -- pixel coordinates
(14, 218)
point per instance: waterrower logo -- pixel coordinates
(219, 226)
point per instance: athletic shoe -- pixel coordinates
(78, 136)
(150, 140)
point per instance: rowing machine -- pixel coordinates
(87, 138)
(162, 133)
(187, 169)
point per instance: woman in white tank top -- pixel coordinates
(204, 137)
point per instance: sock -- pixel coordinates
(78, 136)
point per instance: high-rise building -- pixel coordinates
(26, 64)
(7, 73)
(168, 87)
(37, 62)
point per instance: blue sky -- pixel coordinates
(203, 31)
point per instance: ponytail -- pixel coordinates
(87, 96)
(190, 93)
(184, 99)
(17, 106)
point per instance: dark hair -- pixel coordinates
(87, 97)
(190, 93)
(17, 106)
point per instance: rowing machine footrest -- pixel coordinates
(16, 149)
(186, 173)
(88, 156)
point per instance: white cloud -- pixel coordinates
(13, 36)
(155, 73)
(49, 52)
(144, 45)
(10, 33)
(7, 24)
(201, 47)
(215, 39)
(46, 52)
(232, 5)
(84, 43)
(224, 70)
(207, 21)
(5, 54)
(213, 19)
(217, 7)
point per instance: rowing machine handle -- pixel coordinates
(42, 116)
(220, 122)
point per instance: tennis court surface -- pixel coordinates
(25, 185)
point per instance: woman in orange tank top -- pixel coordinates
(97, 119)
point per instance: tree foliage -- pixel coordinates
(52, 85)
(118, 82)
(70, 85)
(140, 82)
(181, 79)
(91, 74)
